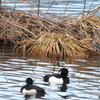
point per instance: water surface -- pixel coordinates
(84, 74)
(54, 8)
(84, 77)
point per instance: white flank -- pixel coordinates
(29, 92)
(54, 80)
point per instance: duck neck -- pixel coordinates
(29, 83)
(63, 75)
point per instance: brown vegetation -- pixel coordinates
(50, 37)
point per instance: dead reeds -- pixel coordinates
(50, 37)
(59, 46)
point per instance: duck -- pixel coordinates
(30, 89)
(60, 78)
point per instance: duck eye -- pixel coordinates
(65, 71)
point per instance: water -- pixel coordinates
(54, 8)
(84, 74)
(84, 77)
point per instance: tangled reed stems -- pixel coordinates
(56, 45)
(50, 37)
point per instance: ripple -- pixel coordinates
(84, 78)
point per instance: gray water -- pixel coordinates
(54, 8)
(84, 75)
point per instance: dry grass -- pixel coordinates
(58, 46)
(50, 37)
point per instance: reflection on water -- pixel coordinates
(54, 8)
(84, 77)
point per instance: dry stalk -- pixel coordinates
(57, 42)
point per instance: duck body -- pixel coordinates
(60, 78)
(30, 89)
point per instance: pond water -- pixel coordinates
(54, 8)
(84, 75)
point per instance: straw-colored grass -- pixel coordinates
(90, 26)
(59, 46)
(50, 37)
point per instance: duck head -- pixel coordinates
(63, 72)
(29, 81)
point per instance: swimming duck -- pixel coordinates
(30, 89)
(60, 78)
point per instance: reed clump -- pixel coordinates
(53, 38)
(59, 46)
